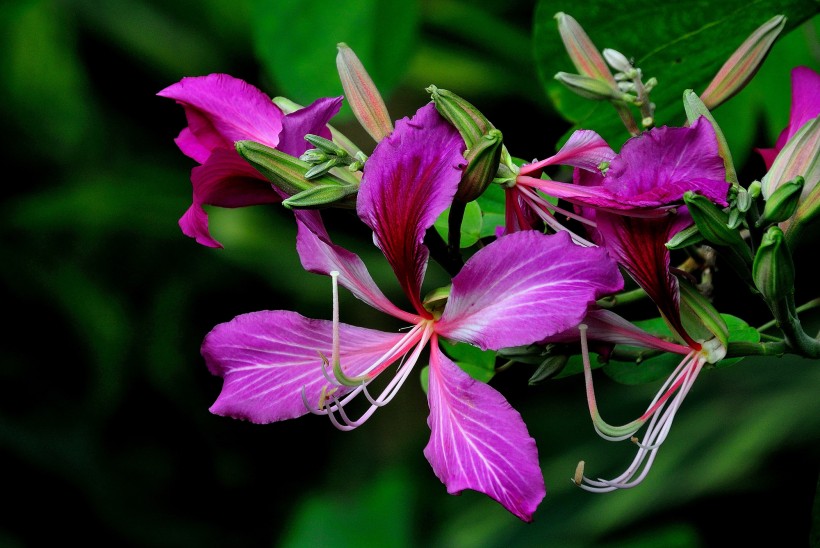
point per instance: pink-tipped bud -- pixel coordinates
(360, 91)
(585, 56)
(743, 63)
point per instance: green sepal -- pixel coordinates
(695, 108)
(686, 237)
(282, 170)
(713, 223)
(323, 196)
(466, 118)
(782, 204)
(482, 166)
(773, 268)
(549, 368)
(699, 318)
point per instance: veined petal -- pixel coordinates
(311, 119)
(638, 244)
(584, 149)
(658, 166)
(268, 359)
(478, 441)
(224, 180)
(322, 256)
(410, 178)
(222, 109)
(805, 103)
(524, 287)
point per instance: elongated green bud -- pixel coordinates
(362, 95)
(702, 321)
(322, 196)
(743, 63)
(592, 88)
(282, 170)
(484, 142)
(806, 216)
(482, 166)
(695, 108)
(782, 204)
(585, 56)
(773, 268)
(712, 221)
(686, 237)
(471, 124)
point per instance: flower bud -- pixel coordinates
(799, 156)
(471, 124)
(686, 237)
(283, 170)
(782, 203)
(743, 63)
(712, 221)
(482, 165)
(592, 88)
(585, 56)
(617, 60)
(360, 91)
(695, 108)
(773, 269)
(322, 196)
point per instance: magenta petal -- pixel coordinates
(524, 287)
(584, 149)
(408, 181)
(658, 166)
(225, 180)
(311, 119)
(320, 255)
(222, 109)
(268, 358)
(805, 102)
(478, 441)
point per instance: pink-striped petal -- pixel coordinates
(524, 287)
(584, 149)
(478, 441)
(658, 166)
(805, 106)
(638, 244)
(267, 359)
(320, 255)
(410, 178)
(220, 110)
(312, 119)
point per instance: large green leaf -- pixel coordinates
(681, 44)
(297, 44)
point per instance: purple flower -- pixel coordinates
(517, 290)
(221, 110)
(805, 106)
(636, 207)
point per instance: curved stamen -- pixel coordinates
(663, 414)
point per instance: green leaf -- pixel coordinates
(470, 225)
(296, 44)
(673, 40)
(479, 364)
(492, 207)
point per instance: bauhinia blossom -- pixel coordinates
(636, 208)
(221, 110)
(517, 290)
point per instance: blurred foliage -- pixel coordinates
(104, 426)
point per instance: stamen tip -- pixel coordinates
(579, 473)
